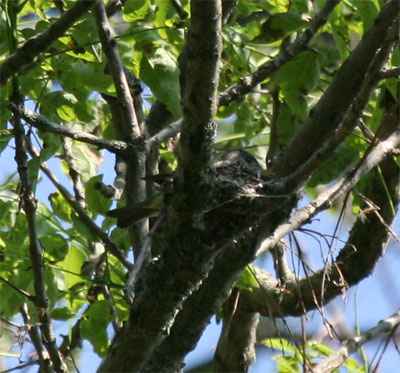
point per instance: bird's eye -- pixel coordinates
(249, 159)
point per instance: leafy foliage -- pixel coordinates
(291, 360)
(70, 84)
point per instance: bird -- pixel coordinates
(235, 168)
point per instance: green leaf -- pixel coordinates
(286, 124)
(163, 8)
(158, 69)
(47, 223)
(34, 87)
(353, 366)
(391, 84)
(55, 245)
(296, 101)
(63, 313)
(347, 154)
(87, 158)
(20, 277)
(342, 40)
(85, 32)
(119, 236)
(92, 76)
(72, 264)
(302, 73)
(60, 206)
(135, 10)
(94, 328)
(169, 157)
(51, 286)
(323, 350)
(80, 228)
(96, 202)
(302, 6)
(280, 25)
(5, 136)
(51, 145)
(33, 167)
(368, 10)
(287, 364)
(247, 279)
(59, 105)
(278, 344)
(40, 6)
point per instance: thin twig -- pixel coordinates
(351, 345)
(42, 123)
(142, 260)
(394, 72)
(36, 339)
(179, 9)
(166, 133)
(42, 302)
(129, 123)
(23, 292)
(74, 171)
(282, 269)
(21, 366)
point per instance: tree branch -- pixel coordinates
(166, 133)
(390, 73)
(34, 334)
(282, 270)
(325, 199)
(357, 258)
(330, 110)
(319, 155)
(18, 290)
(351, 345)
(127, 124)
(236, 346)
(227, 267)
(42, 123)
(109, 245)
(34, 47)
(28, 200)
(194, 316)
(149, 320)
(199, 100)
(74, 171)
(247, 83)
(203, 304)
(179, 9)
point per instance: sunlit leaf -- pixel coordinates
(247, 279)
(96, 202)
(280, 25)
(94, 327)
(158, 69)
(63, 313)
(60, 206)
(135, 10)
(302, 73)
(55, 245)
